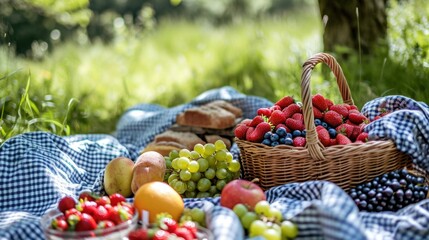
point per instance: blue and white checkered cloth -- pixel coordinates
(37, 169)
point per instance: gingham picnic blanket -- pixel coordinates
(38, 168)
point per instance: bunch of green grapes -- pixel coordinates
(202, 172)
(265, 221)
(196, 215)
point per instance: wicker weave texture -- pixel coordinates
(344, 165)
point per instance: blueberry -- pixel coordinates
(379, 208)
(296, 133)
(325, 125)
(289, 135)
(362, 197)
(282, 140)
(267, 135)
(281, 131)
(332, 133)
(275, 143)
(303, 133)
(288, 141)
(388, 192)
(371, 193)
(399, 194)
(353, 195)
(408, 194)
(274, 137)
(317, 122)
(395, 185)
(266, 142)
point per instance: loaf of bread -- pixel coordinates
(215, 115)
(214, 138)
(186, 139)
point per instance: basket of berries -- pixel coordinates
(314, 140)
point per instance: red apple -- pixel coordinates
(241, 191)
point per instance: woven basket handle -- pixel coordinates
(313, 144)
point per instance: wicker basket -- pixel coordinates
(344, 165)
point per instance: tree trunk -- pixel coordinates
(341, 24)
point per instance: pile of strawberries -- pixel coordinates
(166, 228)
(336, 124)
(92, 212)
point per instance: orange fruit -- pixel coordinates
(158, 197)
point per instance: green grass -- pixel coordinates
(85, 88)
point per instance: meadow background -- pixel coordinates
(84, 85)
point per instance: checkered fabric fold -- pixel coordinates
(38, 168)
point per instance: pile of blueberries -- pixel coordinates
(281, 136)
(390, 192)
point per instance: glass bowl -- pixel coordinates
(119, 231)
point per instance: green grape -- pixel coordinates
(183, 163)
(257, 228)
(191, 186)
(195, 176)
(203, 195)
(272, 234)
(213, 190)
(248, 218)
(209, 149)
(210, 173)
(289, 229)
(185, 175)
(199, 148)
(203, 185)
(185, 218)
(263, 207)
(277, 214)
(173, 154)
(212, 161)
(168, 163)
(220, 164)
(228, 176)
(185, 153)
(174, 164)
(198, 215)
(220, 145)
(204, 164)
(221, 173)
(216, 195)
(240, 209)
(194, 155)
(229, 157)
(173, 182)
(220, 155)
(190, 194)
(193, 166)
(234, 166)
(180, 187)
(220, 184)
(172, 176)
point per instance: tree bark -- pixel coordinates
(362, 31)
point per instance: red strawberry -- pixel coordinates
(319, 102)
(118, 215)
(60, 223)
(103, 200)
(356, 131)
(285, 101)
(240, 131)
(184, 233)
(116, 199)
(264, 112)
(161, 235)
(294, 124)
(277, 117)
(105, 224)
(282, 125)
(299, 142)
(298, 116)
(258, 133)
(341, 109)
(291, 110)
(168, 224)
(323, 135)
(72, 212)
(248, 132)
(363, 136)
(353, 107)
(100, 214)
(128, 207)
(139, 234)
(357, 118)
(86, 223)
(89, 207)
(87, 195)
(333, 141)
(333, 118)
(191, 226)
(343, 140)
(275, 107)
(246, 121)
(328, 102)
(256, 120)
(345, 129)
(66, 203)
(317, 113)
(354, 111)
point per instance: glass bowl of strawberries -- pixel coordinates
(90, 217)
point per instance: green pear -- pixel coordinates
(118, 175)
